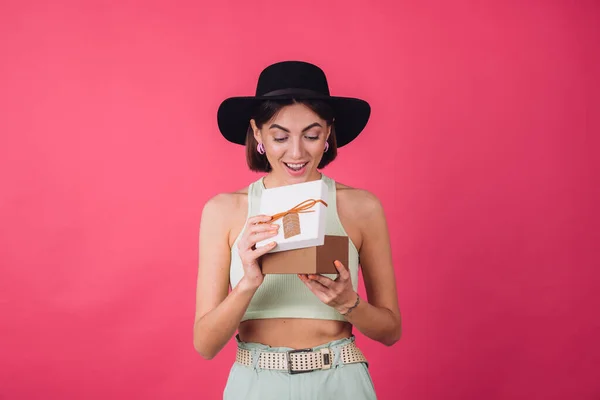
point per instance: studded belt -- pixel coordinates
(301, 360)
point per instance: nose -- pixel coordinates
(296, 149)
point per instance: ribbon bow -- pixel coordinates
(304, 207)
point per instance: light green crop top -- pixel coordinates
(284, 295)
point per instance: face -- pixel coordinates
(294, 141)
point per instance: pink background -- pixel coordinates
(482, 148)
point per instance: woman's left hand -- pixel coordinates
(337, 293)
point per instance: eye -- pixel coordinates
(312, 136)
(279, 140)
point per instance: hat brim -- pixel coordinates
(351, 116)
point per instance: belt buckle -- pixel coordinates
(289, 357)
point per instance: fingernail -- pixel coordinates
(275, 226)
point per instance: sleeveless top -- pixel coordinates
(285, 295)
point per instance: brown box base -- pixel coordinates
(310, 260)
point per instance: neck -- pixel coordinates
(273, 180)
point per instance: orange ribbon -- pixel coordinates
(304, 207)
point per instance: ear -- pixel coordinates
(256, 131)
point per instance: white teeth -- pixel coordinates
(296, 166)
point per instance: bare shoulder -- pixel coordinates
(361, 203)
(226, 211)
(226, 202)
(360, 213)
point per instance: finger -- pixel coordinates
(259, 219)
(342, 270)
(315, 287)
(303, 277)
(260, 237)
(254, 229)
(260, 251)
(320, 279)
(249, 242)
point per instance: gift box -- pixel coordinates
(310, 260)
(300, 210)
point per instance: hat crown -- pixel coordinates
(292, 75)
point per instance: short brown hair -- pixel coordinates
(265, 111)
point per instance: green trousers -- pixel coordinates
(350, 381)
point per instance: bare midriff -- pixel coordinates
(296, 333)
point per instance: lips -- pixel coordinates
(295, 166)
(296, 169)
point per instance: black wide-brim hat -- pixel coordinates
(293, 80)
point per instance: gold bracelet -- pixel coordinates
(353, 307)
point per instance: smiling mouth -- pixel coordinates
(295, 167)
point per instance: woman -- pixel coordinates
(291, 129)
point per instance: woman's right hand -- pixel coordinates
(257, 229)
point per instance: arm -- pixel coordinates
(379, 317)
(218, 313)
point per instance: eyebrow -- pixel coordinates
(287, 130)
